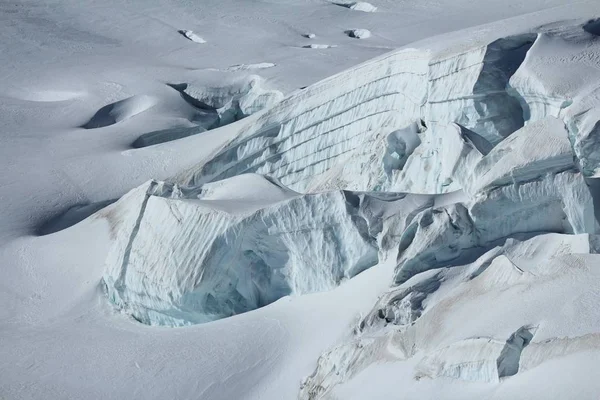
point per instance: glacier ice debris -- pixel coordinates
(359, 6)
(191, 35)
(359, 33)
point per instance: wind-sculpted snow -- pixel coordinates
(120, 111)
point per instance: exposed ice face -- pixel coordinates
(316, 131)
(179, 259)
(334, 135)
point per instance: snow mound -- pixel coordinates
(192, 36)
(309, 35)
(247, 187)
(359, 6)
(359, 33)
(120, 111)
(540, 148)
(216, 105)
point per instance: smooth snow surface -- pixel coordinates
(264, 217)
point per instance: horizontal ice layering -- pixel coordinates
(342, 132)
(470, 170)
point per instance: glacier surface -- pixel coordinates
(470, 169)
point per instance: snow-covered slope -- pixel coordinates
(423, 224)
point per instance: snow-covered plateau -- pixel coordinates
(249, 215)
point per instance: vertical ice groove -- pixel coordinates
(120, 281)
(508, 362)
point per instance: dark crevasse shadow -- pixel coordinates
(165, 135)
(103, 117)
(70, 216)
(594, 186)
(593, 27)
(120, 111)
(215, 107)
(207, 118)
(510, 357)
(500, 106)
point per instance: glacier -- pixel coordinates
(470, 169)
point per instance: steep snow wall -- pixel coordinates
(345, 131)
(189, 258)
